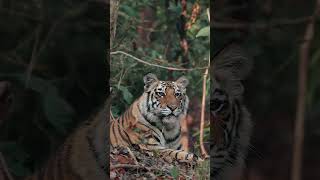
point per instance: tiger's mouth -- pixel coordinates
(169, 119)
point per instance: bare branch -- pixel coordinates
(129, 166)
(133, 156)
(261, 26)
(4, 172)
(203, 108)
(156, 65)
(301, 100)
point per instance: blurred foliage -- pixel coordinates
(271, 89)
(149, 30)
(64, 44)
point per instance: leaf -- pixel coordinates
(204, 32)
(16, 157)
(58, 112)
(174, 172)
(127, 96)
(129, 11)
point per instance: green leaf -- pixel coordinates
(58, 112)
(204, 32)
(175, 172)
(129, 11)
(16, 157)
(127, 96)
(315, 57)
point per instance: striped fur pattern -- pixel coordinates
(153, 121)
(83, 155)
(231, 120)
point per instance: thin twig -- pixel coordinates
(266, 25)
(203, 107)
(133, 156)
(112, 117)
(4, 169)
(129, 166)
(33, 56)
(301, 100)
(156, 65)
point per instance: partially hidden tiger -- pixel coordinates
(152, 122)
(230, 118)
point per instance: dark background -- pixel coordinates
(271, 90)
(53, 53)
(63, 44)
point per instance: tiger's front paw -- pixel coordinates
(191, 158)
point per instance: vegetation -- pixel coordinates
(274, 35)
(53, 54)
(169, 39)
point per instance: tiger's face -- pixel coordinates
(166, 99)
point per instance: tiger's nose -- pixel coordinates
(172, 107)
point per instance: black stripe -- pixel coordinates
(177, 155)
(170, 152)
(152, 131)
(239, 116)
(179, 147)
(120, 132)
(148, 99)
(186, 156)
(128, 137)
(114, 133)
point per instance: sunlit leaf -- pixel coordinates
(127, 96)
(204, 32)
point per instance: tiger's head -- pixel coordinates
(164, 100)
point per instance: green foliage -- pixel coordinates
(66, 43)
(127, 96)
(16, 158)
(204, 32)
(175, 172)
(58, 112)
(163, 47)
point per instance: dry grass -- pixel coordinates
(133, 164)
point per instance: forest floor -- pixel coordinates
(128, 163)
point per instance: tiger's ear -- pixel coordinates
(149, 80)
(182, 82)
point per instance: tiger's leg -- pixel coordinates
(178, 155)
(168, 154)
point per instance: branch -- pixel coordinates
(203, 107)
(156, 65)
(4, 172)
(261, 26)
(129, 166)
(301, 100)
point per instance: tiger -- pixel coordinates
(231, 121)
(152, 122)
(83, 156)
